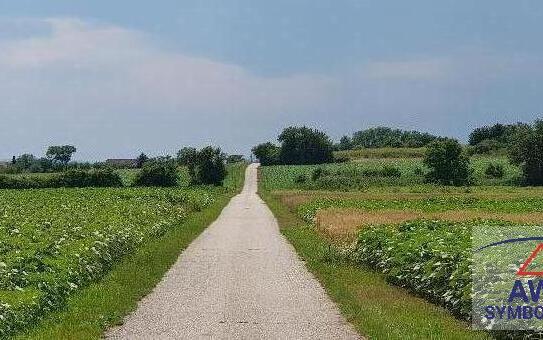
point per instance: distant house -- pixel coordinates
(4, 164)
(122, 163)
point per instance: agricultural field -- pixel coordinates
(380, 216)
(54, 242)
(365, 153)
(375, 172)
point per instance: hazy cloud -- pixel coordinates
(114, 92)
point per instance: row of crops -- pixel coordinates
(55, 241)
(434, 258)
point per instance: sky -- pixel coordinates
(116, 78)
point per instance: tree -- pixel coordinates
(24, 162)
(345, 143)
(267, 153)
(500, 134)
(527, 151)
(61, 153)
(208, 166)
(186, 155)
(303, 145)
(234, 159)
(141, 160)
(381, 136)
(448, 164)
(13, 160)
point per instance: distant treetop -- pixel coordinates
(380, 137)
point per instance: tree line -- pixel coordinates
(446, 158)
(206, 166)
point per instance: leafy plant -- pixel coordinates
(494, 170)
(54, 242)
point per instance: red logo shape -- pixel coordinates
(522, 270)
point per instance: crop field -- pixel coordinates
(364, 153)
(53, 242)
(367, 173)
(417, 235)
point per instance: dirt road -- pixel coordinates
(239, 280)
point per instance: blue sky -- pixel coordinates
(119, 77)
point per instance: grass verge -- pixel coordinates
(91, 311)
(376, 309)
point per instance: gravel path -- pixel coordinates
(239, 280)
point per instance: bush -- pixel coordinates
(418, 171)
(527, 151)
(20, 182)
(494, 170)
(448, 165)
(82, 178)
(186, 155)
(266, 153)
(161, 173)
(318, 173)
(208, 167)
(302, 145)
(390, 171)
(68, 179)
(300, 179)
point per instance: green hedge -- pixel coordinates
(68, 179)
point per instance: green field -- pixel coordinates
(54, 242)
(364, 153)
(367, 173)
(417, 236)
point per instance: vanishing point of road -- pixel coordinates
(240, 279)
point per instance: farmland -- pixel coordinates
(54, 242)
(374, 172)
(378, 218)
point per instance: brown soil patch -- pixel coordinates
(341, 225)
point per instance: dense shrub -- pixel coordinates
(208, 167)
(68, 179)
(82, 178)
(22, 182)
(318, 173)
(267, 153)
(448, 165)
(161, 173)
(302, 145)
(300, 179)
(494, 170)
(385, 171)
(527, 151)
(186, 155)
(141, 160)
